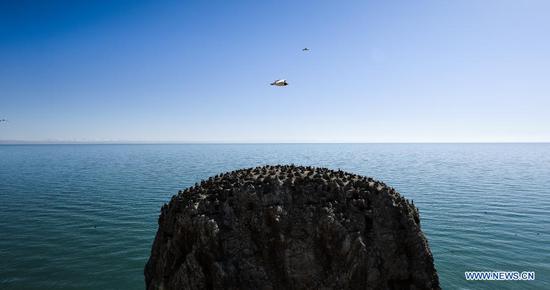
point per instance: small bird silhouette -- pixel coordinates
(305, 49)
(3, 120)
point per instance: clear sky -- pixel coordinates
(199, 71)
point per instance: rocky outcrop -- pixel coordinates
(290, 227)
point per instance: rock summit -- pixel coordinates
(290, 227)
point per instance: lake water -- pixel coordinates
(84, 216)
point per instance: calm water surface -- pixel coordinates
(84, 216)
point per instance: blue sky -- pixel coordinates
(199, 71)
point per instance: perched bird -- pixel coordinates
(279, 83)
(305, 49)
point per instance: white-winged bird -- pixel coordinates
(279, 83)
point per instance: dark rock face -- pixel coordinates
(290, 227)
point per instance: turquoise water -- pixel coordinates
(84, 216)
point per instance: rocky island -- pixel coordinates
(290, 227)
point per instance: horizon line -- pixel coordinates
(128, 142)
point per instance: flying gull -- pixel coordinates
(279, 83)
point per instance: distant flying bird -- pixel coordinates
(305, 49)
(3, 120)
(279, 83)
